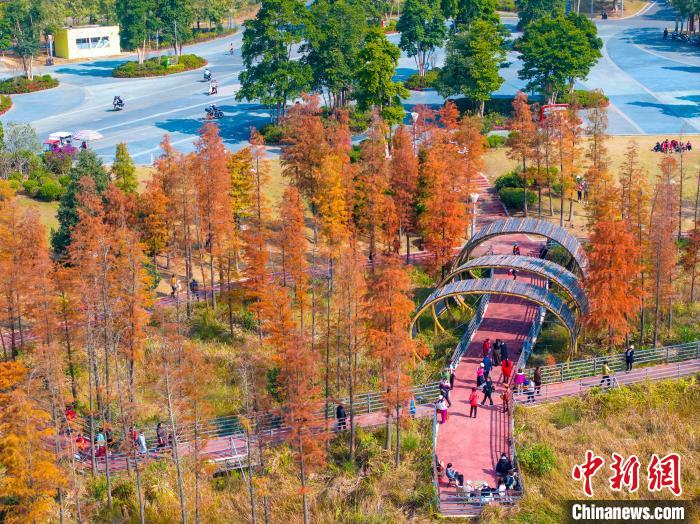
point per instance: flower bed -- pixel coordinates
(5, 104)
(20, 84)
(158, 66)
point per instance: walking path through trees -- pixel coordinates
(474, 445)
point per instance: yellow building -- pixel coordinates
(89, 41)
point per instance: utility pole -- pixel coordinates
(175, 28)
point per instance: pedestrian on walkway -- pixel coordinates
(445, 391)
(506, 370)
(520, 380)
(497, 352)
(504, 351)
(452, 376)
(606, 374)
(194, 289)
(480, 379)
(629, 358)
(161, 436)
(507, 397)
(516, 249)
(473, 403)
(487, 366)
(342, 417)
(412, 407)
(441, 407)
(143, 448)
(488, 390)
(530, 390)
(537, 377)
(173, 285)
(486, 347)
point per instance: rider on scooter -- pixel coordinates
(118, 102)
(207, 75)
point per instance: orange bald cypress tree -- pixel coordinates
(31, 476)
(444, 217)
(294, 244)
(213, 183)
(387, 313)
(522, 137)
(613, 284)
(690, 259)
(663, 248)
(404, 184)
(299, 373)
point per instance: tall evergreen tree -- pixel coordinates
(422, 28)
(88, 165)
(124, 170)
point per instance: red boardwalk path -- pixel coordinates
(473, 445)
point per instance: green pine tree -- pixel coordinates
(88, 165)
(124, 170)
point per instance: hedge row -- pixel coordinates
(585, 99)
(20, 84)
(415, 81)
(157, 66)
(5, 104)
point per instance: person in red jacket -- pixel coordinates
(506, 370)
(473, 402)
(486, 347)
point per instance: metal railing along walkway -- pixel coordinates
(554, 391)
(593, 366)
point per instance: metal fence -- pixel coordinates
(557, 390)
(593, 366)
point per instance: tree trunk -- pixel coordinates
(175, 452)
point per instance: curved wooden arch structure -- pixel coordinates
(506, 287)
(531, 226)
(541, 267)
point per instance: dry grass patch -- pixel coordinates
(658, 417)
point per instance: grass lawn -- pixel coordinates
(274, 190)
(497, 163)
(641, 420)
(47, 211)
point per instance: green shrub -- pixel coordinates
(494, 141)
(31, 186)
(157, 66)
(355, 153)
(272, 133)
(512, 197)
(585, 99)
(49, 190)
(207, 327)
(564, 415)
(20, 84)
(390, 26)
(506, 5)
(512, 179)
(415, 81)
(538, 459)
(5, 104)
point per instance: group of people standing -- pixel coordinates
(672, 146)
(136, 437)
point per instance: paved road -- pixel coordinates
(653, 85)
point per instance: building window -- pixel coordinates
(95, 42)
(99, 42)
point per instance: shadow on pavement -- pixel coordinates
(672, 110)
(233, 128)
(98, 69)
(652, 37)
